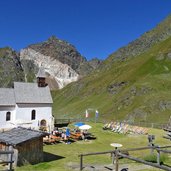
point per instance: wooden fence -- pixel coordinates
(150, 124)
(121, 153)
(8, 156)
(142, 124)
(61, 121)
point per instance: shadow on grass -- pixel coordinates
(165, 165)
(91, 138)
(51, 157)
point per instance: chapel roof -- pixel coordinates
(31, 93)
(23, 92)
(7, 97)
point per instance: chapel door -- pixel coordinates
(43, 125)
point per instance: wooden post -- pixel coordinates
(152, 150)
(15, 157)
(81, 162)
(10, 158)
(113, 157)
(158, 157)
(95, 118)
(116, 160)
(152, 125)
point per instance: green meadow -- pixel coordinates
(65, 157)
(145, 97)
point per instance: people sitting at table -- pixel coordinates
(83, 135)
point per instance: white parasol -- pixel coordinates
(84, 127)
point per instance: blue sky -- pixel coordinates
(95, 27)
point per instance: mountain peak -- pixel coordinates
(53, 38)
(61, 60)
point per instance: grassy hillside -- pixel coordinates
(136, 89)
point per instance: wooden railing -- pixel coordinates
(61, 121)
(9, 158)
(121, 153)
(142, 124)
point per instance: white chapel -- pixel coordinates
(27, 105)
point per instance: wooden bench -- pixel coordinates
(76, 136)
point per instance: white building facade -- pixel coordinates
(27, 105)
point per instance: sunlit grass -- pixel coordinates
(66, 155)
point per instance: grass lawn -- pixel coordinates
(60, 157)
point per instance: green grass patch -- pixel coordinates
(153, 158)
(60, 157)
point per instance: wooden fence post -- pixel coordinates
(158, 157)
(81, 162)
(116, 161)
(113, 157)
(10, 155)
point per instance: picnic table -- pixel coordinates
(76, 135)
(48, 140)
(52, 139)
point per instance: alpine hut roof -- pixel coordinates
(19, 135)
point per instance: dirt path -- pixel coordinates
(131, 167)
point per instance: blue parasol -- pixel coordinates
(79, 124)
(67, 132)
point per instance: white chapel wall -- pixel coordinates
(3, 112)
(43, 111)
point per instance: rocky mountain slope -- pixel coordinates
(132, 84)
(62, 62)
(161, 32)
(10, 67)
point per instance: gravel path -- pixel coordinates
(131, 167)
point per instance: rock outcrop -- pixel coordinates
(10, 67)
(63, 74)
(59, 50)
(62, 62)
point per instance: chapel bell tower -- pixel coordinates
(41, 77)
